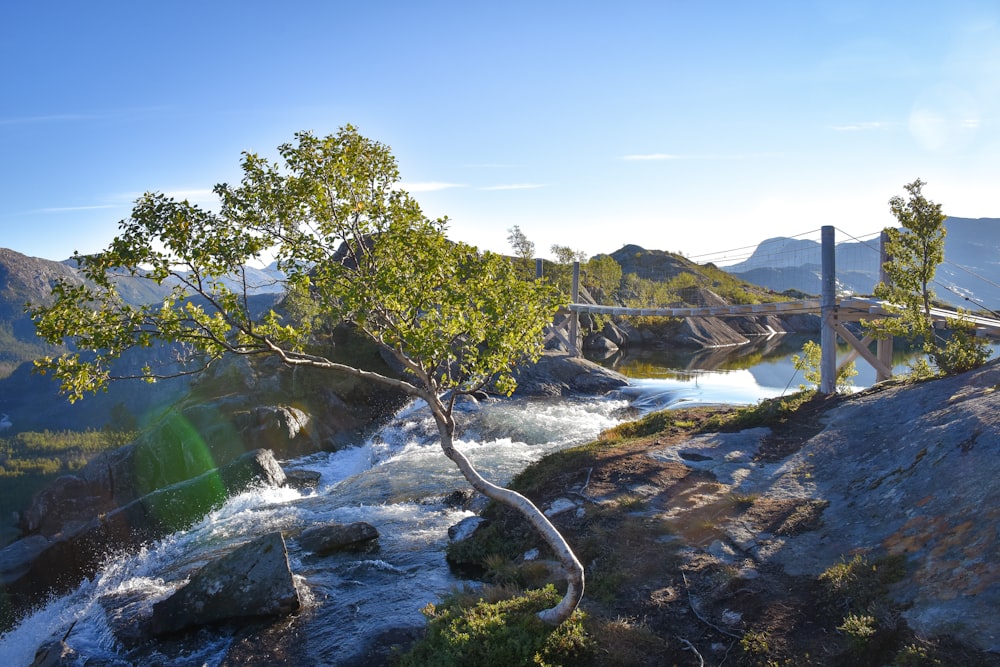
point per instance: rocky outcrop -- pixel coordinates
(38, 564)
(252, 582)
(557, 374)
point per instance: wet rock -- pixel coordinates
(557, 374)
(251, 582)
(466, 528)
(55, 654)
(36, 565)
(324, 540)
(282, 428)
(301, 479)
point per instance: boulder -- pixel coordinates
(466, 528)
(282, 428)
(254, 581)
(600, 344)
(301, 479)
(331, 538)
(560, 374)
(708, 332)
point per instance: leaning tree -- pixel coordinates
(355, 249)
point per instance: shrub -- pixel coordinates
(505, 632)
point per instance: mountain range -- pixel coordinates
(969, 276)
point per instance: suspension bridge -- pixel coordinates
(835, 307)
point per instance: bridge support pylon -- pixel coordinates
(828, 313)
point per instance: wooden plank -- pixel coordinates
(863, 350)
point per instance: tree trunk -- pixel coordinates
(571, 566)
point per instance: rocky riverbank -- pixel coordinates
(856, 530)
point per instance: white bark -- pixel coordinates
(571, 566)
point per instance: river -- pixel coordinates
(396, 480)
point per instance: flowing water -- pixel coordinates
(397, 481)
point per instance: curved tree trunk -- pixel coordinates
(571, 566)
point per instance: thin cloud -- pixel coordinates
(73, 209)
(431, 186)
(650, 156)
(46, 118)
(493, 165)
(863, 127)
(514, 186)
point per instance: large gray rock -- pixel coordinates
(905, 470)
(254, 581)
(331, 538)
(558, 374)
(708, 332)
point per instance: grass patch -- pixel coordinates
(501, 632)
(763, 413)
(853, 586)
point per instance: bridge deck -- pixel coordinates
(850, 309)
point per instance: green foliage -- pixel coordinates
(504, 632)
(854, 585)
(524, 251)
(354, 247)
(647, 425)
(961, 351)
(602, 276)
(809, 364)
(914, 655)
(763, 413)
(915, 250)
(860, 630)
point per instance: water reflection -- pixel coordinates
(742, 374)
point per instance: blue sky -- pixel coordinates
(684, 126)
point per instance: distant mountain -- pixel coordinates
(32, 401)
(969, 276)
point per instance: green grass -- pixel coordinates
(30, 460)
(469, 630)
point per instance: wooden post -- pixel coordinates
(539, 264)
(828, 313)
(883, 348)
(574, 322)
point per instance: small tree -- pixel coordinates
(809, 364)
(602, 276)
(524, 250)
(915, 250)
(355, 249)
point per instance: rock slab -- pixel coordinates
(251, 582)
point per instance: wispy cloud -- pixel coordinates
(72, 209)
(47, 118)
(514, 186)
(431, 186)
(650, 156)
(863, 127)
(492, 165)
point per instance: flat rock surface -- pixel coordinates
(906, 470)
